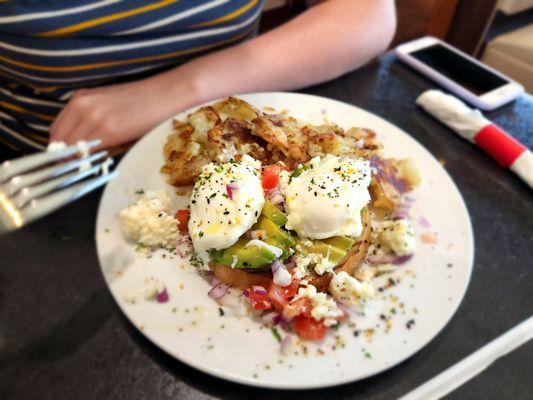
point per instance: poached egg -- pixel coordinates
(325, 197)
(226, 200)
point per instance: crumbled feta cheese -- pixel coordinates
(246, 159)
(149, 221)
(348, 290)
(284, 177)
(227, 154)
(324, 307)
(324, 265)
(152, 286)
(259, 243)
(307, 242)
(399, 236)
(303, 260)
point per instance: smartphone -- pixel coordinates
(461, 74)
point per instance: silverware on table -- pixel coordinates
(474, 364)
(35, 185)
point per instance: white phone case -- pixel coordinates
(488, 101)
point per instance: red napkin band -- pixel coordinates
(500, 145)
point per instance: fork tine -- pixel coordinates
(18, 182)
(29, 193)
(42, 206)
(27, 163)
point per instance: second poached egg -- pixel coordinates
(325, 197)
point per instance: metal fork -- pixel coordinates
(35, 185)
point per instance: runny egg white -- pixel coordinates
(327, 198)
(226, 201)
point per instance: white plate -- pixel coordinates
(189, 327)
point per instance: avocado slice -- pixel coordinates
(322, 248)
(342, 242)
(274, 233)
(274, 213)
(252, 257)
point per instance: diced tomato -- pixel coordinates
(259, 301)
(309, 328)
(270, 176)
(302, 306)
(183, 220)
(277, 297)
(291, 290)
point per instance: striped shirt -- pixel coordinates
(48, 49)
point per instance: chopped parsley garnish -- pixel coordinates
(220, 312)
(276, 334)
(139, 191)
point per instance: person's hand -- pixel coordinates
(116, 114)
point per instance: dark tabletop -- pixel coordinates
(63, 337)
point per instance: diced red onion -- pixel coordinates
(162, 297)
(259, 290)
(284, 320)
(246, 293)
(402, 210)
(383, 173)
(290, 262)
(378, 260)
(218, 291)
(276, 295)
(345, 309)
(285, 345)
(271, 318)
(285, 324)
(402, 259)
(281, 276)
(349, 310)
(230, 187)
(276, 265)
(424, 222)
(275, 197)
(182, 246)
(180, 249)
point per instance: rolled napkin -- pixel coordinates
(474, 127)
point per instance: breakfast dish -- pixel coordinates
(255, 239)
(301, 229)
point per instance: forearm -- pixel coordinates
(326, 41)
(322, 43)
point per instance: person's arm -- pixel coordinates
(326, 41)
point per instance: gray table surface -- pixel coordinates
(63, 337)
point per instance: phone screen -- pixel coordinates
(461, 70)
